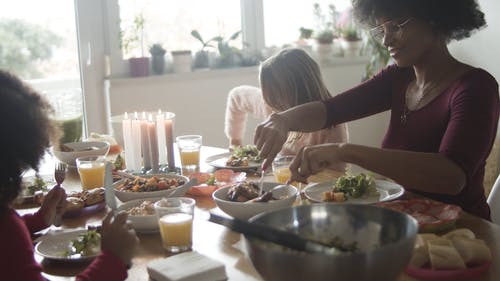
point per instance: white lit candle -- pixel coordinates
(153, 144)
(160, 132)
(146, 151)
(136, 142)
(127, 141)
(169, 136)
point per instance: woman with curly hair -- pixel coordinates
(444, 113)
(27, 132)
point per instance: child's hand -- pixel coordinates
(118, 237)
(53, 204)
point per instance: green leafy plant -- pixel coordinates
(157, 50)
(132, 37)
(326, 29)
(305, 33)
(204, 43)
(379, 57)
(350, 33)
(201, 56)
(228, 55)
(325, 37)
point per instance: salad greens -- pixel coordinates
(86, 244)
(355, 186)
(37, 185)
(247, 151)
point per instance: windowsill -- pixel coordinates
(228, 72)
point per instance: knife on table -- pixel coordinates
(109, 193)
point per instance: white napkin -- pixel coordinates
(188, 266)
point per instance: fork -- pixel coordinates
(59, 176)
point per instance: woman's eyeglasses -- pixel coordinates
(390, 27)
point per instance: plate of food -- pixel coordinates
(210, 182)
(456, 255)
(432, 216)
(241, 158)
(147, 186)
(360, 189)
(35, 186)
(78, 245)
(84, 202)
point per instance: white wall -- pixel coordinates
(483, 48)
(198, 99)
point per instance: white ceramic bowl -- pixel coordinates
(83, 148)
(129, 195)
(141, 223)
(244, 211)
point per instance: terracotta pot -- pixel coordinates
(139, 66)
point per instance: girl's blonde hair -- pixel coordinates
(290, 78)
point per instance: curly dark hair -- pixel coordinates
(27, 131)
(455, 19)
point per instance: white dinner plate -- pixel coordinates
(219, 161)
(55, 246)
(387, 191)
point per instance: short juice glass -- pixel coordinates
(281, 168)
(91, 170)
(175, 220)
(189, 151)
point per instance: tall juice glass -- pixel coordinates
(281, 168)
(175, 220)
(91, 170)
(189, 151)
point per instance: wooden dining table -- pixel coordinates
(216, 241)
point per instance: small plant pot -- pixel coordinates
(182, 61)
(139, 67)
(324, 52)
(158, 64)
(201, 60)
(351, 48)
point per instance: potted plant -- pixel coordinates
(350, 42)
(228, 55)
(201, 57)
(326, 31)
(379, 57)
(304, 38)
(324, 44)
(182, 61)
(132, 42)
(158, 58)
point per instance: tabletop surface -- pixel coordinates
(216, 241)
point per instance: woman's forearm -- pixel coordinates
(427, 172)
(308, 117)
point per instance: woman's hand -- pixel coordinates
(53, 204)
(118, 237)
(313, 159)
(270, 136)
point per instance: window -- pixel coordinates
(170, 23)
(39, 44)
(283, 27)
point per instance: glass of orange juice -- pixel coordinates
(189, 150)
(91, 170)
(175, 220)
(281, 169)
